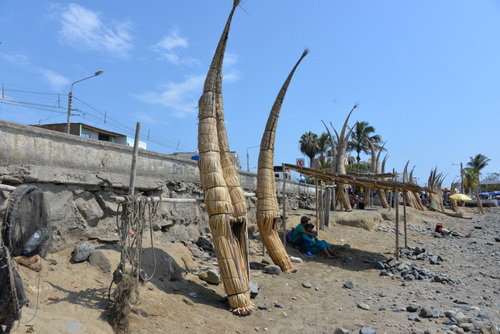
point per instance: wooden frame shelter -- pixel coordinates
(361, 180)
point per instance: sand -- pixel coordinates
(71, 297)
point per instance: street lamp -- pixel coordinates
(248, 157)
(461, 177)
(70, 98)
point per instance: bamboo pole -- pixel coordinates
(133, 170)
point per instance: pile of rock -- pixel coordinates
(410, 271)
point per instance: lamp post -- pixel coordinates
(248, 157)
(70, 98)
(461, 177)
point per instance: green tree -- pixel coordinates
(471, 179)
(308, 145)
(362, 133)
(478, 162)
(325, 165)
(323, 145)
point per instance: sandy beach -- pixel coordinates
(456, 289)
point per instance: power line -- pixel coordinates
(52, 103)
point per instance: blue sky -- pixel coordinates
(426, 74)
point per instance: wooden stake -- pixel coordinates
(131, 189)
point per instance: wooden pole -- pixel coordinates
(396, 203)
(283, 218)
(131, 189)
(317, 203)
(404, 219)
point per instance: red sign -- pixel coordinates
(300, 162)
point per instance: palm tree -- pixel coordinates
(309, 145)
(471, 179)
(361, 134)
(325, 165)
(323, 145)
(478, 162)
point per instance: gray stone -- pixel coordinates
(210, 276)
(348, 285)
(413, 307)
(364, 306)
(468, 327)
(254, 289)
(307, 285)
(366, 330)
(82, 251)
(99, 259)
(341, 331)
(460, 318)
(272, 269)
(197, 253)
(426, 312)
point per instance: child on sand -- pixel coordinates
(315, 244)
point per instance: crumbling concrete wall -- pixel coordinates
(79, 176)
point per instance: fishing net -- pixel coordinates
(136, 214)
(25, 231)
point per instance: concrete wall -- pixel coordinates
(79, 176)
(31, 154)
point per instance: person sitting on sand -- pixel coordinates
(298, 232)
(315, 244)
(444, 231)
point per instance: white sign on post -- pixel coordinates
(300, 162)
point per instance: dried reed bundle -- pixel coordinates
(223, 196)
(267, 203)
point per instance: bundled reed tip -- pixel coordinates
(306, 51)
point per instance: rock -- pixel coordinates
(366, 330)
(295, 259)
(205, 244)
(197, 253)
(307, 285)
(364, 306)
(413, 307)
(459, 317)
(99, 259)
(82, 251)
(272, 269)
(210, 276)
(467, 327)
(347, 246)
(341, 331)
(348, 285)
(254, 289)
(426, 312)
